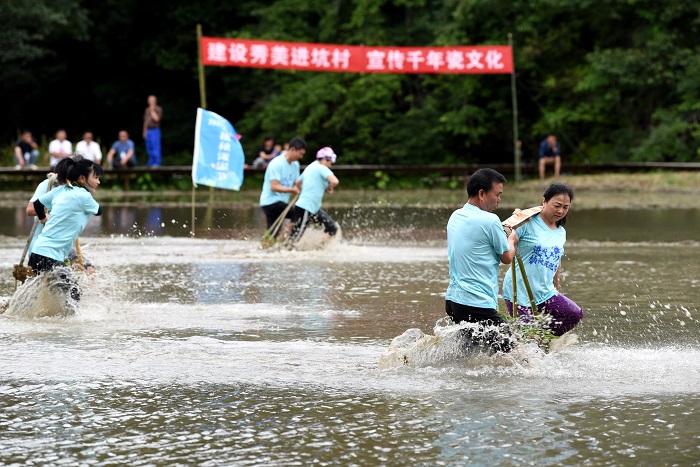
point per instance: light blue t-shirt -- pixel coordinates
(541, 249)
(40, 190)
(475, 243)
(314, 182)
(281, 170)
(122, 148)
(70, 213)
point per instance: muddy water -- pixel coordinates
(213, 351)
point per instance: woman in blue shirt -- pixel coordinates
(71, 205)
(541, 247)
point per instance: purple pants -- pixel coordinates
(566, 314)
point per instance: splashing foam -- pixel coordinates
(315, 239)
(414, 348)
(49, 295)
(46, 295)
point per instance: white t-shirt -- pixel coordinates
(90, 151)
(60, 147)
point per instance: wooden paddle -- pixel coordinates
(79, 254)
(21, 272)
(521, 217)
(268, 239)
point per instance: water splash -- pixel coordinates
(52, 293)
(415, 348)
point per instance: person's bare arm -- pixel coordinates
(154, 114)
(555, 281)
(30, 209)
(507, 257)
(277, 187)
(332, 183)
(110, 156)
(19, 156)
(128, 156)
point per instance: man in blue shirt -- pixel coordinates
(476, 245)
(550, 153)
(123, 148)
(281, 181)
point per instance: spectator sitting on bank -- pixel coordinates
(277, 150)
(550, 153)
(60, 148)
(89, 148)
(124, 148)
(264, 153)
(26, 151)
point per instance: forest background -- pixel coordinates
(617, 80)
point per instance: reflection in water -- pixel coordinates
(369, 224)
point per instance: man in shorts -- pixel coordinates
(280, 181)
(476, 245)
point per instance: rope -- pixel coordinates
(526, 281)
(275, 227)
(517, 259)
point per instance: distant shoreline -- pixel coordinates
(650, 190)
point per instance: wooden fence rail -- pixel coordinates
(463, 171)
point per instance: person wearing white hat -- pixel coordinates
(316, 180)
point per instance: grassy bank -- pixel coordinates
(635, 191)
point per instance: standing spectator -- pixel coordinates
(124, 147)
(550, 153)
(26, 151)
(89, 148)
(316, 180)
(476, 245)
(265, 153)
(60, 148)
(151, 131)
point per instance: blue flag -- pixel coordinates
(218, 155)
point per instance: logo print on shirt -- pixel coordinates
(549, 257)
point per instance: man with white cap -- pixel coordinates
(316, 180)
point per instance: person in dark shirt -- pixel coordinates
(265, 153)
(550, 153)
(26, 151)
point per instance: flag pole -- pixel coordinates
(516, 149)
(202, 100)
(202, 82)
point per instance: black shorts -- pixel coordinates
(500, 340)
(302, 217)
(68, 283)
(273, 211)
(40, 263)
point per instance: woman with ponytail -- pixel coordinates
(71, 205)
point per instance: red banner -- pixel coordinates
(478, 59)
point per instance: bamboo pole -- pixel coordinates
(514, 97)
(202, 103)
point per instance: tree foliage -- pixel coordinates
(616, 80)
